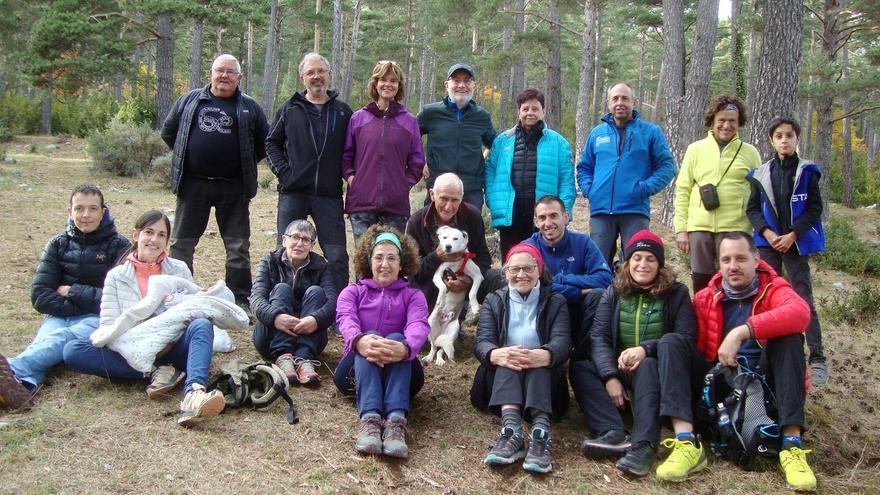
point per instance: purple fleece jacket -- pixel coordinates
(366, 307)
(383, 151)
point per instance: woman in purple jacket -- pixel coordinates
(383, 155)
(384, 323)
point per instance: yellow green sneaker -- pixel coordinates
(684, 460)
(798, 474)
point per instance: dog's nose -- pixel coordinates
(448, 248)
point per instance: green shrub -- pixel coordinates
(82, 117)
(6, 134)
(160, 170)
(125, 149)
(866, 182)
(137, 110)
(846, 252)
(20, 114)
(859, 306)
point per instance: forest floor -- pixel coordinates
(88, 435)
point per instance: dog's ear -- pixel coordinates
(440, 230)
(464, 234)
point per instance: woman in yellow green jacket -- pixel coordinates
(711, 192)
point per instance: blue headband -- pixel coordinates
(388, 237)
(731, 106)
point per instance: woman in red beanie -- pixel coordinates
(523, 341)
(643, 306)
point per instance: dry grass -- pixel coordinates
(88, 435)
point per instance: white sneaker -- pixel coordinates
(198, 404)
(163, 380)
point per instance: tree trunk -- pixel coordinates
(658, 95)
(249, 63)
(872, 145)
(46, 112)
(598, 88)
(807, 129)
(585, 89)
(134, 82)
(425, 83)
(195, 61)
(519, 67)
(336, 48)
(553, 117)
(352, 51)
(737, 62)
(640, 91)
(317, 47)
(847, 163)
(504, 107)
(777, 83)
(269, 72)
(754, 49)
(410, 51)
(218, 42)
(164, 67)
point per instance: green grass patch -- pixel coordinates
(846, 252)
(856, 307)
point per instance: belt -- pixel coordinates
(224, 179)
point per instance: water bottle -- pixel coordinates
(724, 421)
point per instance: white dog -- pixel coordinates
(444, 318)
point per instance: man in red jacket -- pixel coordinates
(747, 315)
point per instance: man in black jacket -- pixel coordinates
(294, 300)
(217, 134)
(305, 147)
(67, 288)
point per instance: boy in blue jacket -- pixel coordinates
(785, 208)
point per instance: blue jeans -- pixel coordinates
(191, 353)
(604, 230)
(46, 350)
(271, 343)
(379, 389)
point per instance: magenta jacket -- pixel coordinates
(366, 307)
(383, 151)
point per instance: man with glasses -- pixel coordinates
(294, 301)
(457, 130)
(217, 134)
(304, 146)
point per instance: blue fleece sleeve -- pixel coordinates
(662, 162)
(594, 272)
(585, 167)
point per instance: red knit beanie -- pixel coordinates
(531, 251)
(645, 240)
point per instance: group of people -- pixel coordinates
(560, 309)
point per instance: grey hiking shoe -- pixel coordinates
(394, 438)
(369, 439)
(199, 404)
(163, 380)
(538, 457)
(13, 394)
(818, 373)
(509, 448)
(288, 366)
(609, 444)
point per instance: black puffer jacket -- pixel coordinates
(271, 273)
(80, 261)
(524, 168)
(678, 317)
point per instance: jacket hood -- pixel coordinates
(316, 261)
(609, 119)
(765, 272)
(394, 109)
(105, 229)
(397, 285)
(301, 96)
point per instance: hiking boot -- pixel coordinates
(305, 371)
(638, 460)
(369, 439)
(798, 474)
(13, 394)
(199, 404)
(510, 447)
(163, 380)
(609, 444)
(538, 457)
(245, 306)
(394, 438)
(684, 460)
(818, 372)
(288, 366)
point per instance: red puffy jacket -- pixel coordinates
(776, 311)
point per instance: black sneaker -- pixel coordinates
(509, 448)
(538, 458)
(612, 443)
(638, 460)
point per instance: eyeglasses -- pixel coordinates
(298, 239)
(525, 269)
(225, 72)
(316, 72)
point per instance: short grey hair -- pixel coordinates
(300, 225)
(449, 179)
(228, 56)
(632, 93)
(312, 56)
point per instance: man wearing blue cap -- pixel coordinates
(457, 130)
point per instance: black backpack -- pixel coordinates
(736, 413)
(257, 385)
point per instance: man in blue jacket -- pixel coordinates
(579, 271)
(67, 288)
(624, 162)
